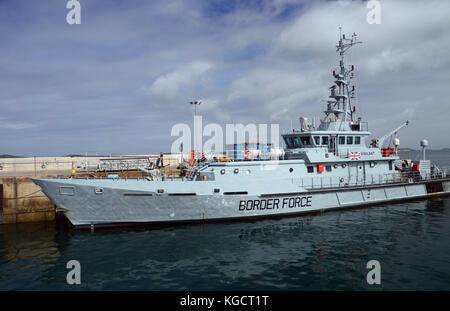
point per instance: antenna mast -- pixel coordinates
(340, 92)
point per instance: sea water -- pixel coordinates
(329, 251)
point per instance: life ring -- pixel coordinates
(247, 154)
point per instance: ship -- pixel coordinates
(323, 167)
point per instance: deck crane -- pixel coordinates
(378, 143)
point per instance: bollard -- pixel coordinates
(16, 210)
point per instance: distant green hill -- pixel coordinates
(409, 149)
(406, 149)
(9, 156)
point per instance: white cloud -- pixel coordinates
(401, 63)
(249, 65)
(17, 125)
(180, 81)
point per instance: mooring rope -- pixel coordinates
(28, 196)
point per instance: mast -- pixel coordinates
(340, 104)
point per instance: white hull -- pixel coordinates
(122, 206)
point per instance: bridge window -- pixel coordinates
(328, 168)
(317, 140)
(289, 142)
(325, 140)
(293, 142)
(349, 140)
(300, 141)
(310, 169)
(306, 140)
(357, 140)
(341, 140)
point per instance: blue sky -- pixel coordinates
(119, 81)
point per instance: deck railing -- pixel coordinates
(392, 178)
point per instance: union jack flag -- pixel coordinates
(354, 156)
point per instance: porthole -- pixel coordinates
(222, 171)
(341, 180)
(98, 190)
(236, 170)
(344, 165)
(291, 170)
(335, 166)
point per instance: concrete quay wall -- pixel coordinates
(22, 201)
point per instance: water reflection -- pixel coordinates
(327, 251)
(25, 248)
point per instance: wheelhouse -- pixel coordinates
(295, 141)
(299, 141)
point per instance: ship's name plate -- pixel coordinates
(292, 202)
(368, 153)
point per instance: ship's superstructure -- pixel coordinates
(323, 167)
(338, 145)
